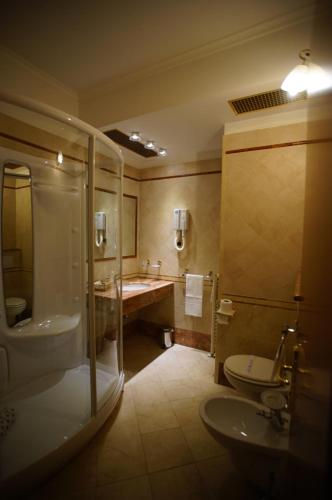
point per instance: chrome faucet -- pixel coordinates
(276, 402)
(277, 420)
(278, 365)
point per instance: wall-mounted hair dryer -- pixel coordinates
(180, 221)
(100, 228)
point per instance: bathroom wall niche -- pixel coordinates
(17, 242)
(106, 202)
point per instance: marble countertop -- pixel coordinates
(137, 299)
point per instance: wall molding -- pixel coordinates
(166, 277)
(290, 305)
(259, 30)
(165, 177)
(188, 338)
(39, 73)
(279, 145)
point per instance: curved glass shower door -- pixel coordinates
(55, 370)
(107, 271)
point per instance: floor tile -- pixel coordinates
(187, 410)
(120, 455)
(179, 389)
(150, 373)
(180, 483)
(148, 393)
(156, 416)
(131, 489)
(201, 443)
(165, 449)
(223, 482)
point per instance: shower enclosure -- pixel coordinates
(60, 344)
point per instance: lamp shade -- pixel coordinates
(297, 80)
(318, 79)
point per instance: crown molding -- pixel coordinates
(39, 73)
(257, 31)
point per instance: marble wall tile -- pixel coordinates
(261, 237)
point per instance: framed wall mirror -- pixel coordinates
(129, 226)
(17, 243)
(105, 237)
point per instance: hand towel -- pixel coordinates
(194, 295)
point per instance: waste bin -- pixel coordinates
(166, 338)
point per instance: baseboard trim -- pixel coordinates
(188, 338)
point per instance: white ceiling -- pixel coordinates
(88, 46)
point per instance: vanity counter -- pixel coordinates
(134, 300)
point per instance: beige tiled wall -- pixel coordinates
(200, 194)
(261, 234)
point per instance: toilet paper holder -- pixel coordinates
(225, 311)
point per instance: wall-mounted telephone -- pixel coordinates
(100, 228)
(180, 224)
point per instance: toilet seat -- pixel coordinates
(15, 302)
(251, 369)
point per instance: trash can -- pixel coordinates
(166, 338)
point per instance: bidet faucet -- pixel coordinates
(277, 420)
(278, 363)
(276, 402)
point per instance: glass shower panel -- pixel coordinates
(45, 369)
(107, 271)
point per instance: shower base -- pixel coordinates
(49, 411)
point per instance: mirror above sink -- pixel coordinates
(106, 203)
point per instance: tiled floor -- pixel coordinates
(154, 446)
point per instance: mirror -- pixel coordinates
(105, 223)
(129, 226)
(17, 243)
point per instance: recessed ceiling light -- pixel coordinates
(162, 152)
(149, 145)
(135, 137)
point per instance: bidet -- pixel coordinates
(257, 448)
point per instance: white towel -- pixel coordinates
(194, 295)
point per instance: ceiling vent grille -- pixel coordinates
(264, 100)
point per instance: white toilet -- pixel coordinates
(251, 375)
(14, 307)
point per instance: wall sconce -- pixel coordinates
(306, 76)
(59, 158)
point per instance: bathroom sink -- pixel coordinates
(131, 287)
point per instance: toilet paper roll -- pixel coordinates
(226, 306)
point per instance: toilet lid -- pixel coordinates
(251, 368)
(15, 301)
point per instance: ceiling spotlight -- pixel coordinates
(149, 145)
(135, 137)
(59, 158)
(305, 76)
(162, 152)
